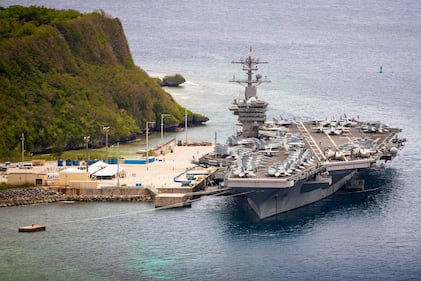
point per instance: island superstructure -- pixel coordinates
(286, 164)
(251, 110)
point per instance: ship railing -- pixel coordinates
(387, 139)
(308, 173)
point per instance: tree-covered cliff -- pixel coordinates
(65, 75)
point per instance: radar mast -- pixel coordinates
(251, 110)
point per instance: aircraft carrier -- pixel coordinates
(286, 164)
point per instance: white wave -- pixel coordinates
(191, 83)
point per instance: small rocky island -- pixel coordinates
(173, 80)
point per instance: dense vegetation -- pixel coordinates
(4, 186)
(65, 75)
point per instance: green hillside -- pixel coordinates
(64, 75)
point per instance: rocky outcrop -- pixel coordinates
(198, 120)
(173, 80)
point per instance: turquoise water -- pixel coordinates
(324, 59)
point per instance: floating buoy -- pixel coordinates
(381, 69)
(32, 228)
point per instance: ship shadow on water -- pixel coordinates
(381, 184)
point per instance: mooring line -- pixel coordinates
(128, 214)
(239, 194)
(125, 214)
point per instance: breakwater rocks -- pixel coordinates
(41, 195)
(26, 196)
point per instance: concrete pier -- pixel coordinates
(178, 196)
(173, 200)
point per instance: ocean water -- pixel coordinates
(324, 59)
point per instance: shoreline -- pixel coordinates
(43, 195)
(136, 184)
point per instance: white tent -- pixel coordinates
(109, 172)
(97, 166)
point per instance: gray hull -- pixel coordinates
(267, 202)
(286, 164)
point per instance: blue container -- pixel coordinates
(112, 161)
(76, 162)
(60, 163)
(68, 162)
(135, 161)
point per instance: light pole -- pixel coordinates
(162, 127)
(147, 140)
(23, 147)
(118, 164)
(185, 123)
(86, 140)
(106, 130)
